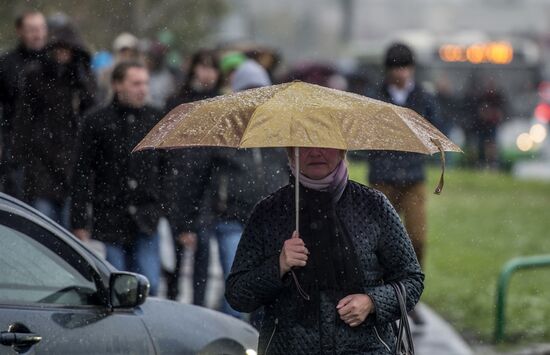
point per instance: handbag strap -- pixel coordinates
(404, 343)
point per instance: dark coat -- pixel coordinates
(187, 174)
(124, 188)
(12, 67)
(401, 168)
(241, 178)
(53, 100)
(384, 252)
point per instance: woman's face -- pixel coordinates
(206, 75)
(317, 163)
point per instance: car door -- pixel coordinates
(47, 290)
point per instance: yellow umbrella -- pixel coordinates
(298, 114)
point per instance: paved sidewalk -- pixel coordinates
(436, 336)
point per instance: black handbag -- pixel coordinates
(404, 345)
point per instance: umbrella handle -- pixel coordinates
(297, 206)
(297, 187)
(439, 187)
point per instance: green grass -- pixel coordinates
(480, 221)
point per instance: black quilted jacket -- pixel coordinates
(384, 252)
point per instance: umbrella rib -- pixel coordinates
(283, 87)
(338, 123)
(248, 123)
(429, 148)
(181, 121)
(196, 105)
(210, 130)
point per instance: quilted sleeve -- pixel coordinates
(254, 279)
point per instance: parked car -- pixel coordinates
(58, 297)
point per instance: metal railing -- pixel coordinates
(509, 268)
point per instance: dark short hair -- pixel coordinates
(399, 55)
(23, 15)
(120, 70)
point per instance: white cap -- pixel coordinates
(125, 40)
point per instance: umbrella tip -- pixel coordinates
(137, 148)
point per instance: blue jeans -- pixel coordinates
(142, 257)
(54, 210)
(228, 234)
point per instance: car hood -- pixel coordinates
(175, 326)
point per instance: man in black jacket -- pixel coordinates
(32, 34)
(187, 173)
(54, 96)
(400, 176)
(123, 187)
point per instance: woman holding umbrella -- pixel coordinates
(334, 280)
(351, 245)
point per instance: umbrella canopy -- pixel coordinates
(297, 114)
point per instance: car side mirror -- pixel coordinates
(127, 289)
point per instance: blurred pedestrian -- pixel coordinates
(188, 173)
(490, 113)
(241, 178)
(350, 246)
(317, 73)
(452, 109)
(203, 80)
(450, 105)
(32, 33)
(163, 79)
(401, 176)
(54, 96)
(358, 82)
(268, 58)
(229, 62)
(125, 48)
(249, 75)
(101, 60)
(123, 188)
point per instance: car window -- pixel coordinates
(38, 267)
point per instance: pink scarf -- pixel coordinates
(335, 182)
